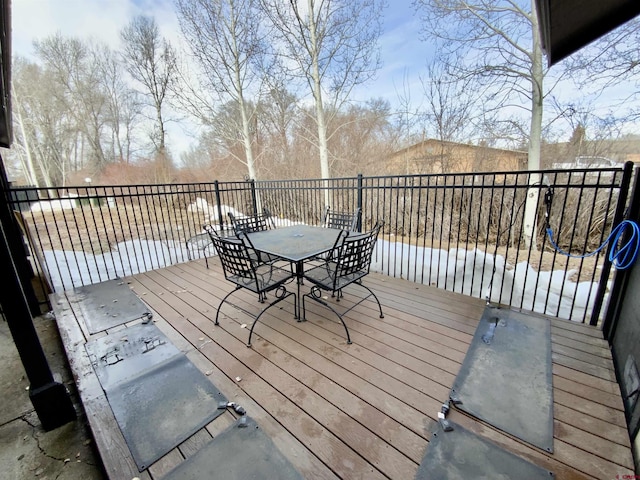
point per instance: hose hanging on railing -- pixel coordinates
(621, 256)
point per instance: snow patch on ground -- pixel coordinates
(470, 272)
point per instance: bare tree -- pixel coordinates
(24, 131)
(331, 45)
(361, 137)
(597, 137)
(450, 104)
(226, 40)
(610, 68)
(45, 128)
(501, 47)
(123, 107)
(71, 67)
(151, 61)
(450, 110)
(73, 110)
(277, 113)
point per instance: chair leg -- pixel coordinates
(322, 302)
(221, 302)
(277, 300)
(373, 295)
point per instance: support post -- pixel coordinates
(617, 219)
(50, 399)
(221, 218)
(257, 207)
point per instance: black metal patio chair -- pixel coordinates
(202, 242)
(342, 220)
(254, 223)
(242, 270)
(345, 265)
(347, 221)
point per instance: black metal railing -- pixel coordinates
(461, 232)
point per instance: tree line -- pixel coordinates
(270, 85)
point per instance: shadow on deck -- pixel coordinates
(364, 410)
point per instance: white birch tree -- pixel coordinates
(46, 130)
(498, 43)
(331, 46)
(227, 42)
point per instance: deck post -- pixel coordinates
(254, 197)
(617, 219)
(621, 279)
(50, 399)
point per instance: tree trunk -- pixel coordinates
(535, 133)
(321, 120)
(29, 171)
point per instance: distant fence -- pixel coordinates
(462, 232)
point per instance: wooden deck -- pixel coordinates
(353, 411)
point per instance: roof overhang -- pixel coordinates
(568, 25)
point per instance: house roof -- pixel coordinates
(428, 141)
(568, 25)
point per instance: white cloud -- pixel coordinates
(101, 20)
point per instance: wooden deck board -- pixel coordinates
(366, 410)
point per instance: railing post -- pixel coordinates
(254, 196)
(611, 315)
(606, 267)
(216, 189)
(359, 201)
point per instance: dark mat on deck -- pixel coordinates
(461, 455)
(109, 304)
(158, 397)
(506, 377)
(239, 453)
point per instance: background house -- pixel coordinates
(439, 156)
(434, 156)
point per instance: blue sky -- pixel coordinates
(404, 56)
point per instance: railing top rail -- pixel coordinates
(242, 184)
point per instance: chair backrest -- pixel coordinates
(355, 253)
(341, 220)
(210, 229)
(266, 213)
(235, 258)
(254, 223)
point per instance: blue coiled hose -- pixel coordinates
(622, 256)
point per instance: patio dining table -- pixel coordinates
(297, 244)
